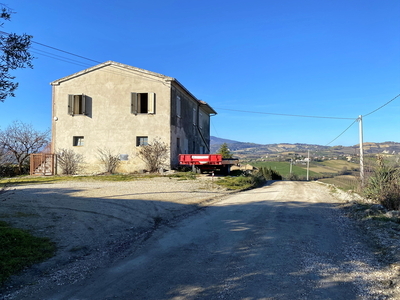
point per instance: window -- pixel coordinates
(178, 106)
(194, 116)
(201, 120)
(143, 103)
(76, 105)
(141, 140)
(78, 141)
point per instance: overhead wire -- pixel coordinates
(342, 132)
(54, 48)
(286, 115)
(59, 57)
(380, 107)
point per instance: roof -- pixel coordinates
(114, 64)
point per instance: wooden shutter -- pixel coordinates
(134, 103)
(71, 105)
(151, 103)
(178, 106)
(83, 104)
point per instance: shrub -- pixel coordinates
(242, 182)
(154, 155)
(69, 161)
(293, 177)
(109, 160)
(384, 186)
(269, 174)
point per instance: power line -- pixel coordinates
(59, 57)
(381, 106)
(342, 132)
(67, 52)
(286, 115)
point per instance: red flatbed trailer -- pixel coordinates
(205, 162)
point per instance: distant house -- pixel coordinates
(117, 107)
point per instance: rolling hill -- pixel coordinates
(256, 151)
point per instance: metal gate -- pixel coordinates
(42, 164)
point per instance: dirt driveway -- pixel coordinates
(96, 222)
(168, 239)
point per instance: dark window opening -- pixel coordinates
(78, 141)
(142, 103)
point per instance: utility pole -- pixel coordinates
(291, 162)
(308, 164)
(361, 151)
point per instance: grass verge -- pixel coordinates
(240, 182)
(19, 249)
(53, 179)
(344, 182)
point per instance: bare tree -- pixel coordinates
(69, 161)
(154, 155)
(110, 160)
(21, 140)
(3, 155)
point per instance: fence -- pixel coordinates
(42, 164)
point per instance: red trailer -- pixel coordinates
(207, 162)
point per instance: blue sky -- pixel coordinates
(249, 60)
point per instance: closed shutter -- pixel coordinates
(151, 107)
(134, 103)
(71, 105)
(194, 116)
(178, 106)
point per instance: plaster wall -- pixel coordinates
(190, 130)
(109, 123)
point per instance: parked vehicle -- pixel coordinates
(207, 162)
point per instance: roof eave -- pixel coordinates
(202, 103)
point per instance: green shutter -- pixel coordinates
(134, 103)
(71, 105)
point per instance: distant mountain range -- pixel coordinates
(252, 150)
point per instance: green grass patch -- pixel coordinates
(108, 177)
(240, 182)
(344, 182)
(53, 179)
(19, 249)
(184, 176)
(283, 168)
(339, 164)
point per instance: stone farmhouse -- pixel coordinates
(116, 107)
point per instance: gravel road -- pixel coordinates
(169, 239)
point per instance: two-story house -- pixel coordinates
(117, 107)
